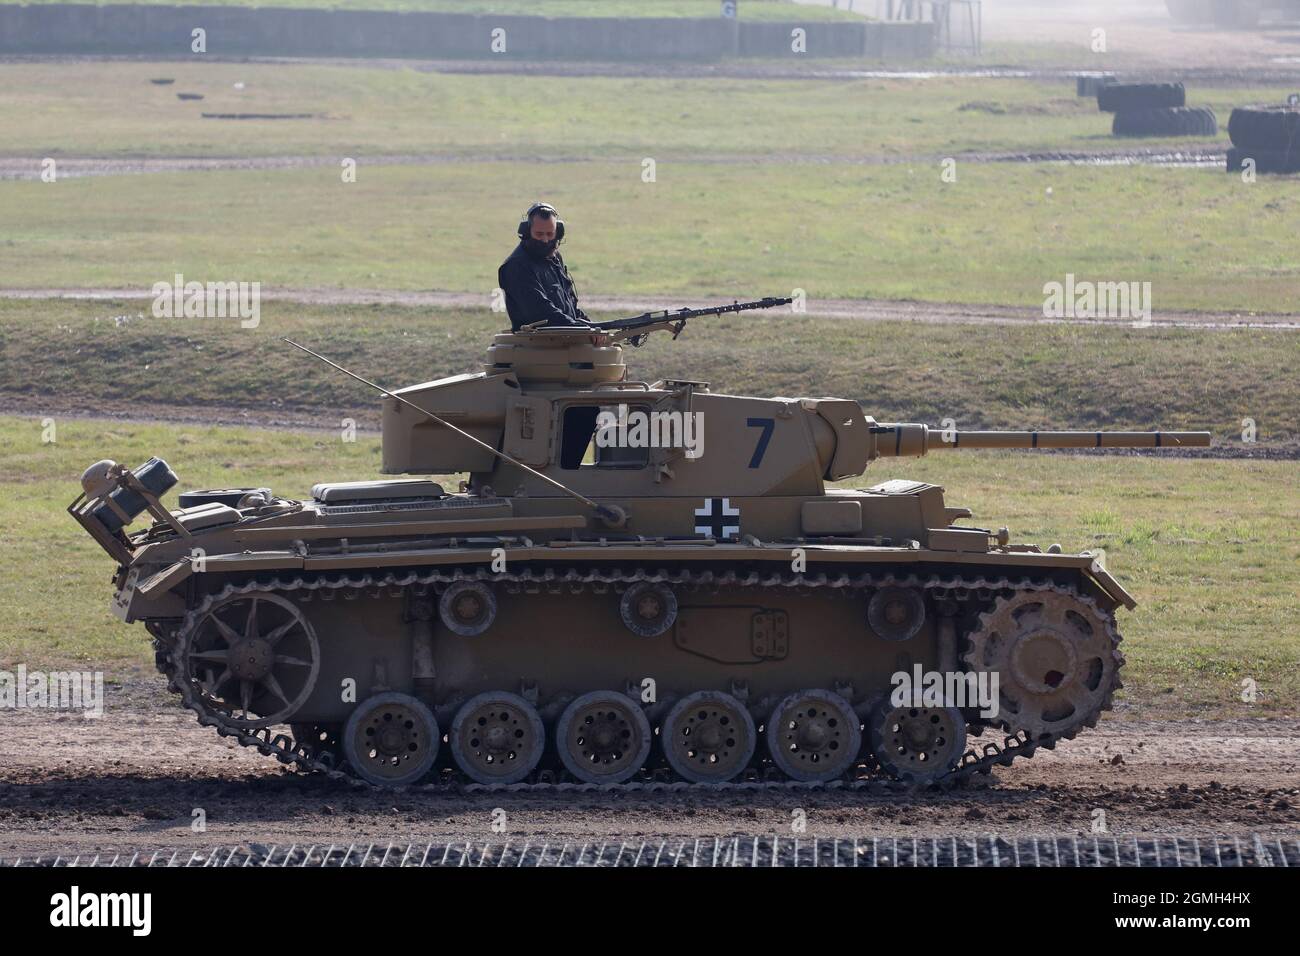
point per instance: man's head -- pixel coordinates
(541, 229)
(541, 225)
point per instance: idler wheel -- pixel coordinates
(917, 744)
(497, 737)
(896, 614)
(391, 740)
(468, 608)
(603, 737)
(648, 609)
(253, 660)
(814, 736)
(708, 737)
(1055, 657)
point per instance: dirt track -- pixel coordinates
(879, 310)
(1269, 65)
(132, 779)
(1191, 153)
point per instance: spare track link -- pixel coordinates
(304, 757)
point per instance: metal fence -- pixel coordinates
(749, 851)
(959, 24)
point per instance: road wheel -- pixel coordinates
(391, 740)
(814, 736)
(497, 737)
(603, 737)
(917, 744)
(708, 737)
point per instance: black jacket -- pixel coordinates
(538, 290)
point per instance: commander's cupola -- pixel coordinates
(557, 357)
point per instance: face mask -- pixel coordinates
(538, 248)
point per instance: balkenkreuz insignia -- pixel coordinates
(718, 518)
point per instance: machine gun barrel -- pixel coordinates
(913, 440)
(669, 316)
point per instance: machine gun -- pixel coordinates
(635, 329)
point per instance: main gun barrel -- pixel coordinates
(903, 440)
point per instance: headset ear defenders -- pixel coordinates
(525, 224)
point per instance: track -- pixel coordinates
(865, 310)
(985, 753)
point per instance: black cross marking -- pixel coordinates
(718, 518)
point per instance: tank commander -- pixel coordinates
(537, 286)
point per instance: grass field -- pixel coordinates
(111, 109)
(728, 210)
(1207, 547)
(1204, 240)
(704, 9)
(982, 376)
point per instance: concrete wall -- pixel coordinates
(273, 31)
(820, 39)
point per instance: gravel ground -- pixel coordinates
(131, 781)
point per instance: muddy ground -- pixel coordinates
(131, 780)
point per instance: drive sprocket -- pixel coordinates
(1056, 657)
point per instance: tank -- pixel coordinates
(633, 584)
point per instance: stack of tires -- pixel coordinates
(1087, 84)
(1270, 135)
(1155, 109)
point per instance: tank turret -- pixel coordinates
(559, 402)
